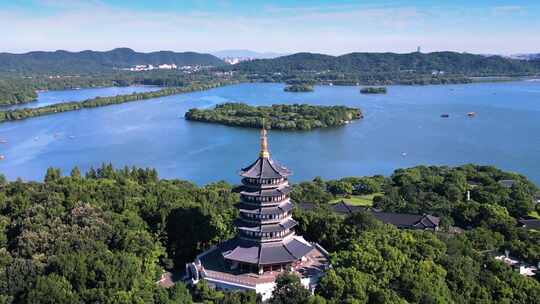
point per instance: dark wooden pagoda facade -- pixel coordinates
(265, 239)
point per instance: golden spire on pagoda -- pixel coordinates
(264, 144)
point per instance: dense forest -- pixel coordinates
(384, 68)
(19, 114)
(16, 92)
(90, 62)
(377, 63)
(280, 117)
(106, 236)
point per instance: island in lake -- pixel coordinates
(280, 117)
(373, 90)
(298, 88)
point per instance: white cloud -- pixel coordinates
(508, 10)
(336, 29)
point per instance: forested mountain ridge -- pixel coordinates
(93, 61)
(369, 63)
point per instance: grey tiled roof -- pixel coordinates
(508, 183)
(403, 220)
(288, 223)
(265, 167)
(257, 209)
(288, 251)
(531, 224)
(400, 220)
(266, 192)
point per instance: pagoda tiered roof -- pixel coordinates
(287, 251)
(249, 191)
(265, 167)
(287, 223)
(255, 209)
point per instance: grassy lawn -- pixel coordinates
(357, 200)
(534, 214)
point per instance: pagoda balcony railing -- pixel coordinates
(264, 183)
(266, 239)
(256, 201)
(267, 221)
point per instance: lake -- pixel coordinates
(401, 129)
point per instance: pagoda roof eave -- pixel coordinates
(251, 209)
(265, 168)
(266, 192)
(288, 251)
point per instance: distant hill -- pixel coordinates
(246, 54)
(93, 61)
(377, 63)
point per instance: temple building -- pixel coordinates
(265, 244)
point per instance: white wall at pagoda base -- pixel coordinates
(264, 289)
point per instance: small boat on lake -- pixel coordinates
(471, 114)
(2, 157)
(71, 137)
(445, 115)
(3, 141)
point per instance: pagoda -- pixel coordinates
(265, 243)
(265, 239)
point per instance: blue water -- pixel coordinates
(401, 129)
(53, 97)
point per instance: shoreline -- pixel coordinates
(27, 113)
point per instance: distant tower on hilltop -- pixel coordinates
(418, 49)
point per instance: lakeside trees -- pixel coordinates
(15, 89)
(373, 90)
(101, 238)
(25, 113)
(281, 117)
(298, 88)
(12, 92)
(106, 236)
(491, 216)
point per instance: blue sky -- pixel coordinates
(333, 27)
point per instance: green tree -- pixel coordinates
(289, 290)
(52, 289)
(75, 173)
(52, 175)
